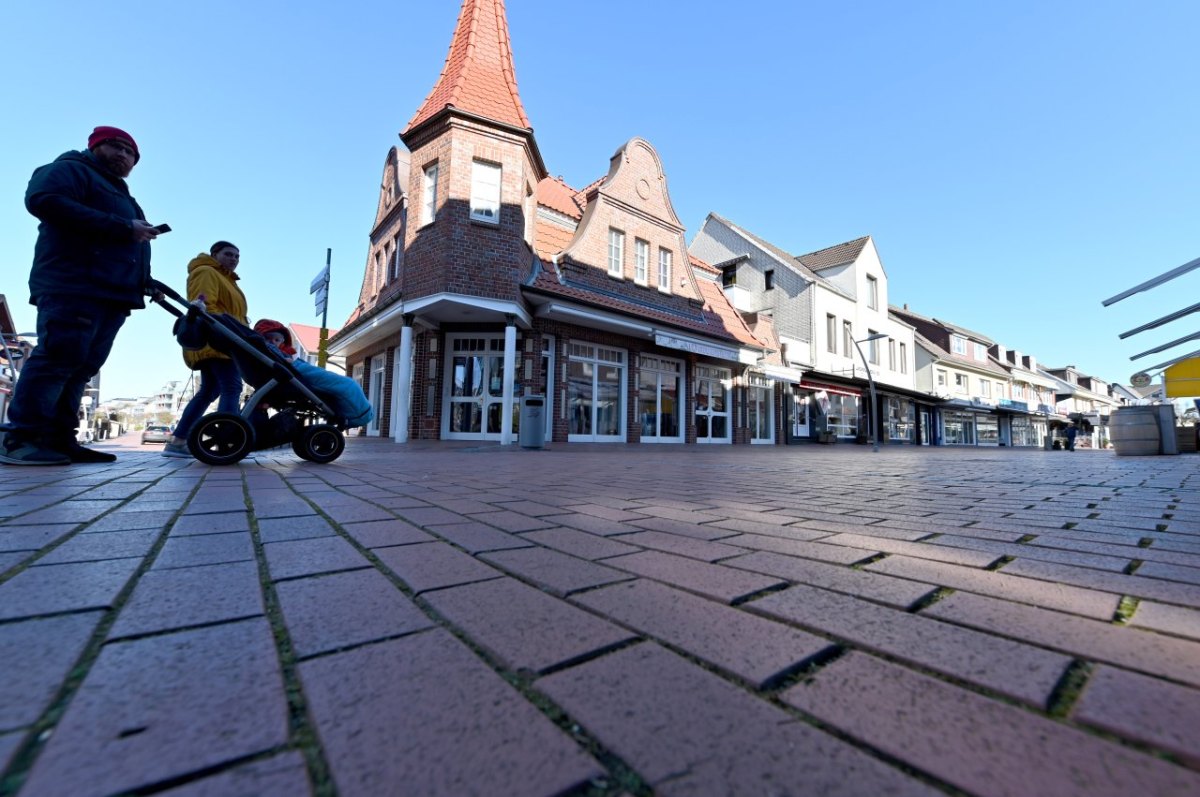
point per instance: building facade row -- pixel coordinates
(488, 279)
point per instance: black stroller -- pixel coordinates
(302, 417)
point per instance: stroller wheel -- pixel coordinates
(221, 438)
(321, 443)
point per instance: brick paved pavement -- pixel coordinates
(455, 620)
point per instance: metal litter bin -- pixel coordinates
(533, 422)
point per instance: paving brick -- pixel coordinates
(48, 589)
(1079, 636)
(294, 528)
(423, 712)
(779, 529)
(205, 549)
(35, 657)
(1153, 589)
(579, 543)
(1020, 671)
(688, 732)
(703, 550)
(606, 512)
(328, 612)
(838, 554)
(1170, 572)
(529, 508)
(210, 524)
(164, 707)
(474, 537)
(905, 533)
(1099, 562)
(308, 557)
(98, 547)
(682, 528)
(282, 775)
(175, 598)
(355, 512)
(1177, 620)
(921, 550)
(590, 523)
(1154, 712)
(554, 571)
(429, 516)
(12, 559)
(718, 582)
(32, 538)
(896, 592)
(278, 503)
(998, 584)
(67, 512)
(434, 565)
(979, 745)
(510, 521)
(382, 533)
(747, 646)
(524, 627)
(125, 521)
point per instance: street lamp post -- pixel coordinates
(874, 414)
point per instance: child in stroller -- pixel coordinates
(303, 417)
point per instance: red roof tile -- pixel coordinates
(309, 336)
(478, 76)
(557, 195)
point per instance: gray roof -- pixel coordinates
(834, 255)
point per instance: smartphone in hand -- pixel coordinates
(161, 228)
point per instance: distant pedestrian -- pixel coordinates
(1072, 430)
(212, 279)
(91, 264)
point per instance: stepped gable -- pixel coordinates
(478, 76)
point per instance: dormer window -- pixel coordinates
(485, 192)
(729, 276)
(958, 344)
(980, 351)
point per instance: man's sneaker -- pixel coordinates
(15, 451)
(78, 453)
(174, 449)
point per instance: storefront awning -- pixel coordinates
(780, 374)
(840, 390)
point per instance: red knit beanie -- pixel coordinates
(104, 133)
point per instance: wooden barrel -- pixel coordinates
(1135, 432)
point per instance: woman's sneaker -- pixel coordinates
(174, 449)
(16, 451)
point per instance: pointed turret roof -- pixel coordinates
(478, 76)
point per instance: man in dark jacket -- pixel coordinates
(91, 264)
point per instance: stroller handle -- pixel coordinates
(156, 290)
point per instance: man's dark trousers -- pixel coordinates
(75, 336)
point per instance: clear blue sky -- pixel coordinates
(1015, 162)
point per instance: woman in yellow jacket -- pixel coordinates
(212, 279)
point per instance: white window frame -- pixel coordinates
(980, 352)
(664, 269)
(943, 378)
(958, 345)
(831, 333)
(486, 179)
(872, 348)
(904, 358)
(985, 388)
(962, 383)
(616, 252)
(872, 292)
(429, 179)
(891, 354)
(641, 261)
